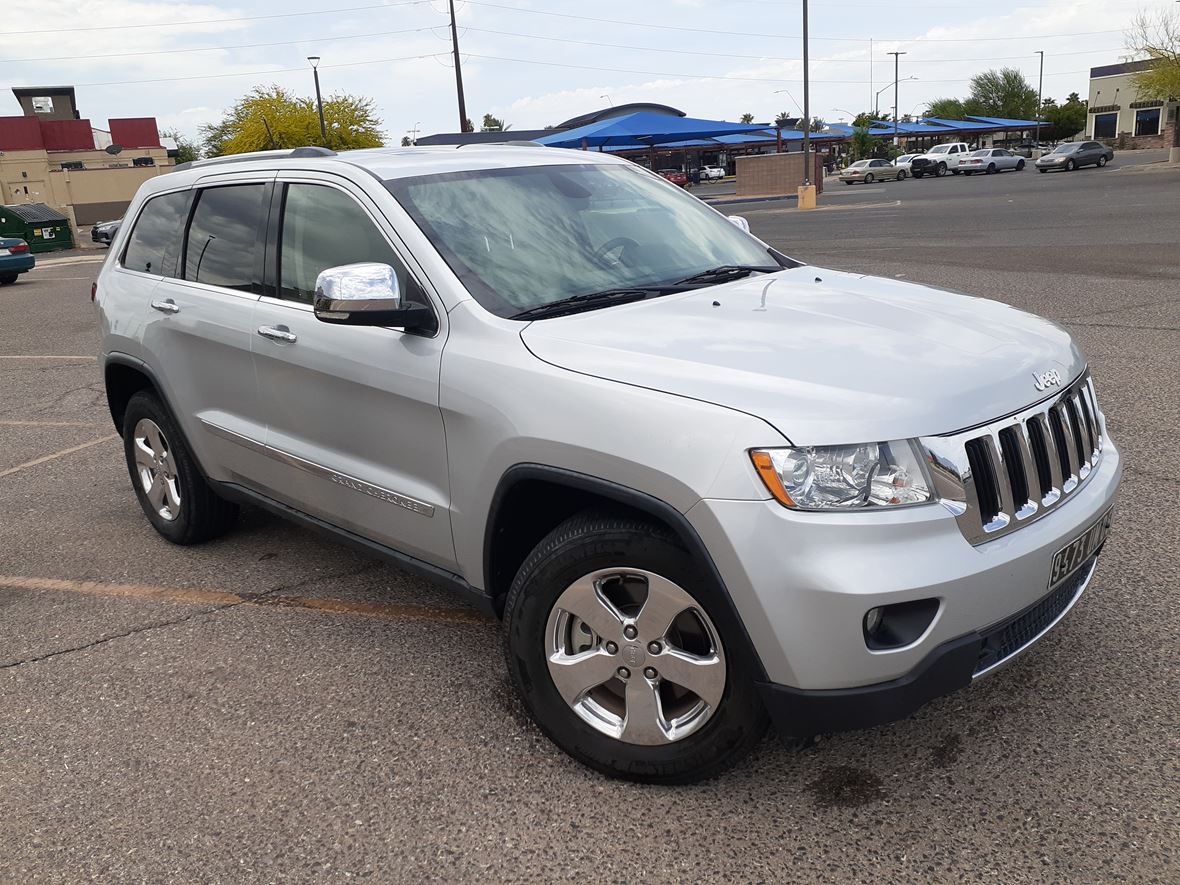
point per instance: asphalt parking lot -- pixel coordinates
(274, 707)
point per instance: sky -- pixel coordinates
(538, 62)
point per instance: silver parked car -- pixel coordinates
(705, 485)
(868, 171)
(1075, 154)
(991, 160)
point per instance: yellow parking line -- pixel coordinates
(389, 611)
(55, 455)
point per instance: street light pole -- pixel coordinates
(1040, 86)
(896, 59)
(319, 101)
(806, 106)
(458, 71)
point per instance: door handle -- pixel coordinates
(278, 333)
(167, 306)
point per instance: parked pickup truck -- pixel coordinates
(940, 159)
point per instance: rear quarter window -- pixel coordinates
(154, 244)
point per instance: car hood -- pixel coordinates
(823, 356)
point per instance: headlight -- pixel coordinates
(844, 477)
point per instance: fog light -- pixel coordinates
(898, 625)
(872, 621)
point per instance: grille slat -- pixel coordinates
(1009, 473)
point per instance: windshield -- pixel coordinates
(939, 149)
(523, 237)
(905, 158)
(981, 153)
(859, 164)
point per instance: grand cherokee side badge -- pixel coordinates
(1045, 380)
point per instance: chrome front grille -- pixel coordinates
(1006, 474)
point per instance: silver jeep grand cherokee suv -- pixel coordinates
(705, 485)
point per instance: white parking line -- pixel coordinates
(54, 455)
(45, 356)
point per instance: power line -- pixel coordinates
(634, 24)
(223, 48)
(217, 21)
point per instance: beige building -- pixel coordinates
(51, 155)
(1120, 116)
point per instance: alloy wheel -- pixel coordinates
(635, 656)
(156, 469)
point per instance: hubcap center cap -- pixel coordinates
(634, 655)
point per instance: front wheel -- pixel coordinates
(626, 656)
(1101, 162)
(1041, 169)
(941, 171)
(901, 175)
(1020, 166)
(918, 175)
(1070, 165)
(869, 178)
(991, 168)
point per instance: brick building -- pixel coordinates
(1120, 116)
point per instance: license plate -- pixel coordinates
(1068, 559)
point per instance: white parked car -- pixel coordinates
(904, 161)
(712, 173)
(991, 160)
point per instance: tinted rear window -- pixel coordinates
(223, 237)
(155, 241)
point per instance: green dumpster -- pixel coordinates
(43, 228)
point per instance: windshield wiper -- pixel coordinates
(727, 272)
(587, 301)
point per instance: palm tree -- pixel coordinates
(747, 118)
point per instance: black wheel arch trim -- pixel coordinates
(628, 497)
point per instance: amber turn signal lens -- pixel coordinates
(765, 467)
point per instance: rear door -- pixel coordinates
(353, 419)
(198, 320)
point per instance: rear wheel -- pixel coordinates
(625, 656)
(175, 497)
(8, 279)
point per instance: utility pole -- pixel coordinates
(458, 72)
(319, 101)
(871, 68)
(1040, 86)
(806, 106)
(896, 58)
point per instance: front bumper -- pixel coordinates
(802, 582)
(951, 666)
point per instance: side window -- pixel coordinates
(155, 241)
(324, 227)
(222, 241)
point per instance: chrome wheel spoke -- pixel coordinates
(156, 493)
(152, 432)
(144, 457)
(574, 675)
(172, 494)
(585, 600)
(664, 602)
(644, 721)
(703, 676)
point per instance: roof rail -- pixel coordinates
(295, 154)
(516, 143)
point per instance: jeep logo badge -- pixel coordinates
(1045, 380)
(634, 655)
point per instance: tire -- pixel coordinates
(918, 174)
(901, 175)
(968, 173)
(596, 547)
(8, 279)
(1070, 165)
(1020, 165)
(869, 178)
(848, 182)
(1039, 169)
(187, 511)
(940, 170)
(1102, 161)
(991, 169)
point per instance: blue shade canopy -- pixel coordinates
(644, 129)
(907, 128)
(1004, 121)
(958, 125)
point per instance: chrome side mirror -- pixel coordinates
(367, 294)
(740, 222)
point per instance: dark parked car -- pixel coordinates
(1078, 153)
(923, 166)
(15, 259)
(104, 231)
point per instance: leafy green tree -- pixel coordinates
(493, 124)
(186, 149)
(747, 118)
(272, 117)
(863, 144)
(946, 109)
(818, 124)
(1003, 93)
(1156, 36)
(862, 120)
(1067, 119)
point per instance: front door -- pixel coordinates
(352, 411)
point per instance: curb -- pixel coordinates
(725, 201)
